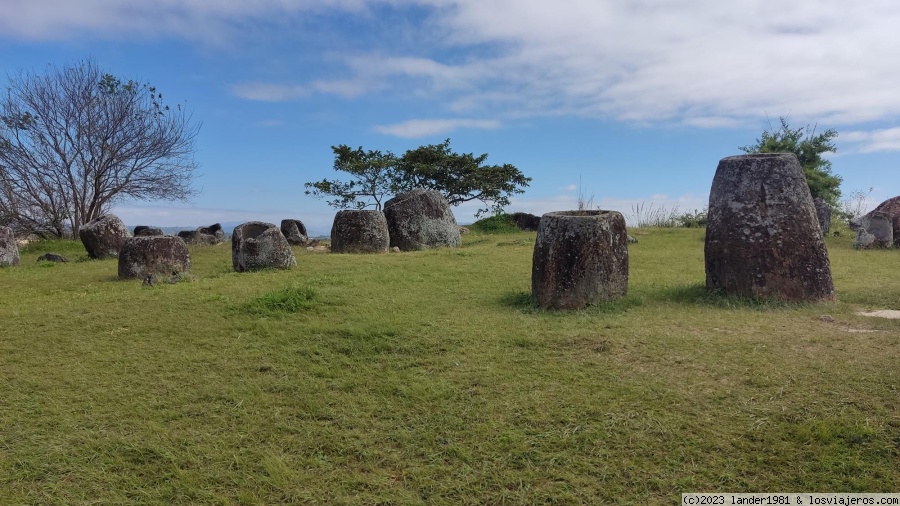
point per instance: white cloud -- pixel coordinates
(266, 92)
(191, 19)
(703, 63)
(872, 141)
(425, 127)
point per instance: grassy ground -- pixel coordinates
(431, 378)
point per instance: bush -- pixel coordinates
(498, 224)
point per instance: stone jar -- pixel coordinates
(763, 237)
(359, 231)
(161, 255)
(580, 258)
(9, 248)
(104, 236)
(258, 245)
(421, 219)
(295, 232)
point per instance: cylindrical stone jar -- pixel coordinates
(9, 248)
(155, 254)
(763, 237)
(359, 231)
(580, 258)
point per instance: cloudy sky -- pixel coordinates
(627, 101)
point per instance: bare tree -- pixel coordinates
(75, 140)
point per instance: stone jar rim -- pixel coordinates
(587, 213)
(758, 156)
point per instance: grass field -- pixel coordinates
(431, 378)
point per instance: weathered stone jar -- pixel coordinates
(580, 258)
(9, 248)
(163, 255)
(258, 245)
(763, 237)
(359, 231)
(294, 231)
(104, 236)
(421, 219)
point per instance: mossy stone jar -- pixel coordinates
(580, 258)
(359, 231)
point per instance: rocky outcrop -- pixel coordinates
(890, 210)
(104, 237)
(294, 231)
(580, 258)
(9, 248)
(421, 219)
(156, 255)
(763, 237)
(359, 231)
(258, 245)
(526, 221)
(145, 231)
(823, 214)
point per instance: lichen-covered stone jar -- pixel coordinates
(580, 258)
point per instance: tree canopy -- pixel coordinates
(809, 148)
(75, 140)
(459, 177)
(374, 176)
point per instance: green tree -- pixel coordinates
(374, 176)
(809, 148)
(75, 140)
(459, 177)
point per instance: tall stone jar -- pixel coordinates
(763, 237)
(580, 258)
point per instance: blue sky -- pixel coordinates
(634, 101)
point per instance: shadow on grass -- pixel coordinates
(523, 302)
(698, 294)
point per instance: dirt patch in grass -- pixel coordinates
(882, 313)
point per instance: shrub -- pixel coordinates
(498, 224)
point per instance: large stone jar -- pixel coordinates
(421, 219)
(763, 237)
(9, 248)
(580, 258)
(258, 245)
(359, 231)
(104, 236)
(155, 254)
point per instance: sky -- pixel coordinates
(626, 102)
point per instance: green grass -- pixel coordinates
(432, 378)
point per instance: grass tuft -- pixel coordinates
(291, 299)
